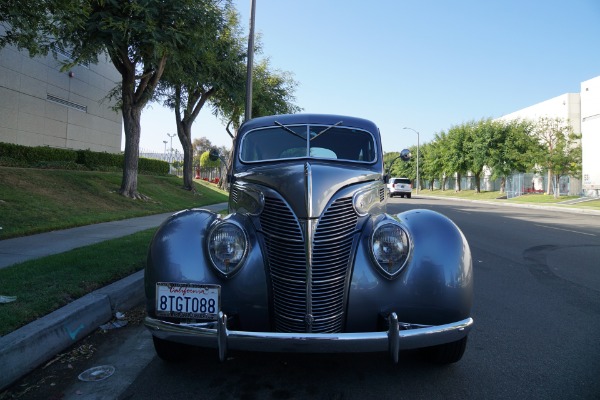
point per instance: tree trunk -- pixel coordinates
(458, 177)
(195, 101)
(133, 101)
(502, 184)
(185, 137)
(132, 126)
(549, 189)
(478, 183)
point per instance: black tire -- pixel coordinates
(447, 353)
(408, 195)
(401, 196)
(171, 351)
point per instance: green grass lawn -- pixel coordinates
(37, 200)
(46, 284)
(463, 194)
(498, 197)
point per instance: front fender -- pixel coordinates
(178, 253)
(436, 285)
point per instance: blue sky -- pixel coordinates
(426, 64)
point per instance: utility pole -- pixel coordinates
(250, 65)
(417, 155)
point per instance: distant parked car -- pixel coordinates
(400, 186)
(308, 260)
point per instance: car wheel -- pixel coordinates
(447, 353)
(408, 195)
(170, 351)
(401, 196)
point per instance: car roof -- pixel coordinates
(316, 119)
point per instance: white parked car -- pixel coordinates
(400, 186)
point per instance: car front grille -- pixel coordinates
(309, 298)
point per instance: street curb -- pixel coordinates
(571, 210)
(25, 349)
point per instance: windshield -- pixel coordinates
(308, 141)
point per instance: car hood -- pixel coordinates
(309, 185)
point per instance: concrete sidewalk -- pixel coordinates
(18, 250)
(28, 347)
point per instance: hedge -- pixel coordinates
(14, 155)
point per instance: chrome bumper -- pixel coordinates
(400, 336)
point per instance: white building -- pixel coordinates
(582, 110)
(590, 140)
(40, 105)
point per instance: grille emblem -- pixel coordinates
(309, 319)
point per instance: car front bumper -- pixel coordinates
(400, 336)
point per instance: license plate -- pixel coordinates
(187, 300)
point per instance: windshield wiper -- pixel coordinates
(289, 130)
(325, 130)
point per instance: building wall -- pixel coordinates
(566, 107)
(583, 111)
(42, 106)
(590, 130)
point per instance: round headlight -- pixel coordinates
(390, 247)
(227, 246)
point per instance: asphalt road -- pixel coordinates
(536, 311)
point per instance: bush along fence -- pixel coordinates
(14, 155)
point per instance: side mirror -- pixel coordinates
(405, 155)
(213, 154)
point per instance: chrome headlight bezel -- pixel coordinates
(390, 261)
(231, 234)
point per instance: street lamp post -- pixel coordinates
(171, 135)
(165, 152)
(417, 155)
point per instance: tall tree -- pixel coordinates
(561, 153)
(139, 36)
(272, 93)
(427, 164)
(512, 149)
(457, 156)
(443, 166)
(478, 146)
(209, 64)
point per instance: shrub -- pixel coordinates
(14, 155)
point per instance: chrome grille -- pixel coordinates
(332, 246)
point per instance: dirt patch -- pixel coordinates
(49, 381)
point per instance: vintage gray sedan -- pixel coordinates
(308, 260)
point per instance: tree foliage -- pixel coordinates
(560, 151)
(272, 93)
(203, 67)
(500, 147)
(138, 36)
